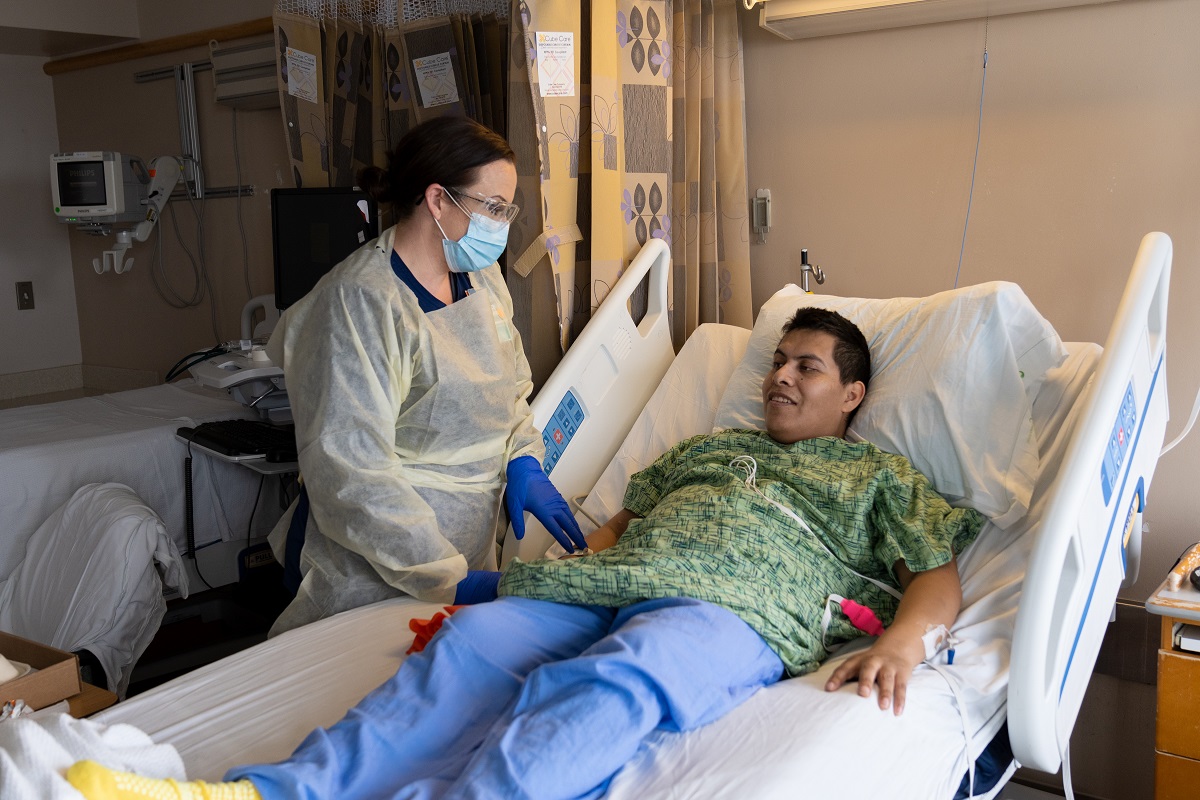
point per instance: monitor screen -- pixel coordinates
(81, 183)
(98, 187)
(312, 231)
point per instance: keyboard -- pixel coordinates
(244, 437)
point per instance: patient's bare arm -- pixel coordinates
(607, 535)
(931, 598)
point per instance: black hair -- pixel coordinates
(851, 353)
(445, 150)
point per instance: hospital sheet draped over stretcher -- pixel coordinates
(49, 451)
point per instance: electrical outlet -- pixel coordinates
(24, 295)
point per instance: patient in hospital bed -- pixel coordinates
(730, 567)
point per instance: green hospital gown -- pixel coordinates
(707, 535)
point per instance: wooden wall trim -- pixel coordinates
(170, 44)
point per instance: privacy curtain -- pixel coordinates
(356, 75)
(644, 138)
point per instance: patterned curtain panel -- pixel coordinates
(544, 128)
(643, 139)
(356, 75)
(710, 230)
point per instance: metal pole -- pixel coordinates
(189, 130)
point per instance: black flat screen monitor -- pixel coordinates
(313, 230)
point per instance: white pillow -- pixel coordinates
(953, 377)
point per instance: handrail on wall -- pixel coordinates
(170, 44)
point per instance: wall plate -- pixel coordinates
(24, 295)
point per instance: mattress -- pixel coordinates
(48, 451)
(792, 739)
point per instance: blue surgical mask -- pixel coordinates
(479, 247)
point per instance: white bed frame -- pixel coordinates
(611, 370)
(1088, 544)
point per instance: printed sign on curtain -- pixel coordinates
(301, 74)
(556, 63)
(435, 77)
(302, 89)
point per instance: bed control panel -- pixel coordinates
(1118, 444)
(561, 429)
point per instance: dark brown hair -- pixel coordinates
(444, 150)
(851, 353)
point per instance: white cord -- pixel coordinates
(748, 465)
(579, 509)
(974, 164)
(951, 679)
(1186, 428)
(1068, 789)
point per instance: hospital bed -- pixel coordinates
(49, 451)
(94, 506)
(1086, 427)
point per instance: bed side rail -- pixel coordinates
(592, 398)
(1090, 534)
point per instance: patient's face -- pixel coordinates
(803, 394)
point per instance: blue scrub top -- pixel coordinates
(460, 284)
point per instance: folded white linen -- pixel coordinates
(35, 753)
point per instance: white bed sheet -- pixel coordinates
(791, 740)
(48, 451)
(257, 705)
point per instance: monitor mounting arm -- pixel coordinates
(165, 172)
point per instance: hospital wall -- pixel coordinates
(160, 20)
(126, 326)
(116, 330)
(1088, 140)
(41, 351)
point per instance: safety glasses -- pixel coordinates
(496, 209)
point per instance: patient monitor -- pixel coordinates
(98, 191)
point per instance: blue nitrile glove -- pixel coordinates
(530, 490)
(478, 587)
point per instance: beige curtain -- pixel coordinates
(649, 143)
(710, 221)
(356, 75)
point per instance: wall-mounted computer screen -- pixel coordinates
(312, 231)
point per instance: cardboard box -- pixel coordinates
(55, 676)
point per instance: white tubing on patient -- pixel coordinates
(748, 465)
(951, 679)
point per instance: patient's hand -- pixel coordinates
(931, 598)
(887, 665)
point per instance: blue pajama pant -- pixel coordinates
(523, 698)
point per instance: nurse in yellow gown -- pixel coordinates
(409, 390)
